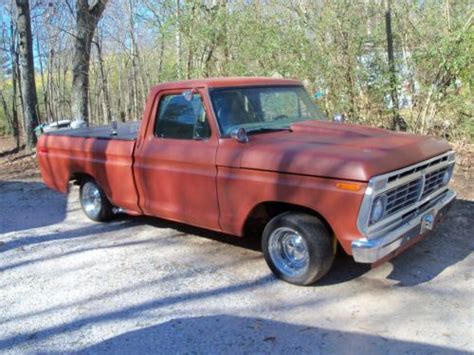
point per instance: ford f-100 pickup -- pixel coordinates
(255, 158)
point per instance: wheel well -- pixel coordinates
(78, 178)
(265, 211)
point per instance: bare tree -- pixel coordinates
(397, 121)
(27, 71)
(13, 55)
(418, 54)
(104, 85)
(179, 47)
(9, 43)
(87, 18)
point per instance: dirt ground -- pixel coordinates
(139, 285)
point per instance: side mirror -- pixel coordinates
(339, 118)
(240, 135)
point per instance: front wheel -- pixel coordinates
(94, 203)
(298, 248)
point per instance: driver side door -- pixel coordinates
(175, 165)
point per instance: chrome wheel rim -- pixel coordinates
(91, 199)
(288, 251)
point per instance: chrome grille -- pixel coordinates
(403, 192)
(433, 181)
(418, 168)
(403, 196)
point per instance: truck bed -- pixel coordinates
(69, 154)
(125, 131)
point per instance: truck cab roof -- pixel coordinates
(225, 82)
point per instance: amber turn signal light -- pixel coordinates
(348, 186)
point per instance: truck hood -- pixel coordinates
(341, 151)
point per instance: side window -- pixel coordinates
(179, 117)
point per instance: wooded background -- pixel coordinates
(337, 48)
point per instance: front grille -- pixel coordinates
(403, 196)
(423, 207)
(433, 181)
(417, 168)
(403, 193)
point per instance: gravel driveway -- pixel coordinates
(145, 285)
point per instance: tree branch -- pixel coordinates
(97, 8)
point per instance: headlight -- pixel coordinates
(447, 175)
(378, 209)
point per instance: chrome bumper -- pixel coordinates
(374, 249)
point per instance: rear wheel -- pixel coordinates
(298, 248)
(94, 203)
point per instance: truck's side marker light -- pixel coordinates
(348, 186)
(43, 150)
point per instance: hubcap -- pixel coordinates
(288, 251)
(91, 199)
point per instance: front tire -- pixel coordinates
(94, 203)
(298, 248)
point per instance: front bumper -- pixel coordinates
(373, 249)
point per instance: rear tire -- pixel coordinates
(94, 203)
(298, 248)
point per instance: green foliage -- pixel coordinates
(337, 48)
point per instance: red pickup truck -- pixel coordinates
(255, 158)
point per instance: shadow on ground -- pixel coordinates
(25, 338)
(230, 334)
(185, 229)
(450, 243)
(11, 151)
(87, 231)
(28, 205)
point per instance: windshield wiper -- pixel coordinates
(268, 129)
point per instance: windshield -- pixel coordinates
(262, 108)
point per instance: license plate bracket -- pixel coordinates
(428, 221)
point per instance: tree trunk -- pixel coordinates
(87, 18)
(397, 122)
(43, 86)
(27, 72)
(13, 56)
(136, 55)
(11, 119)
(178, 40)
(49, 88)
(160, 60)
(104, 87)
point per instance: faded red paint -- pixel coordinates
(108, 162)
(218, 182)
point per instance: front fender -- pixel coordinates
(240, 190)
